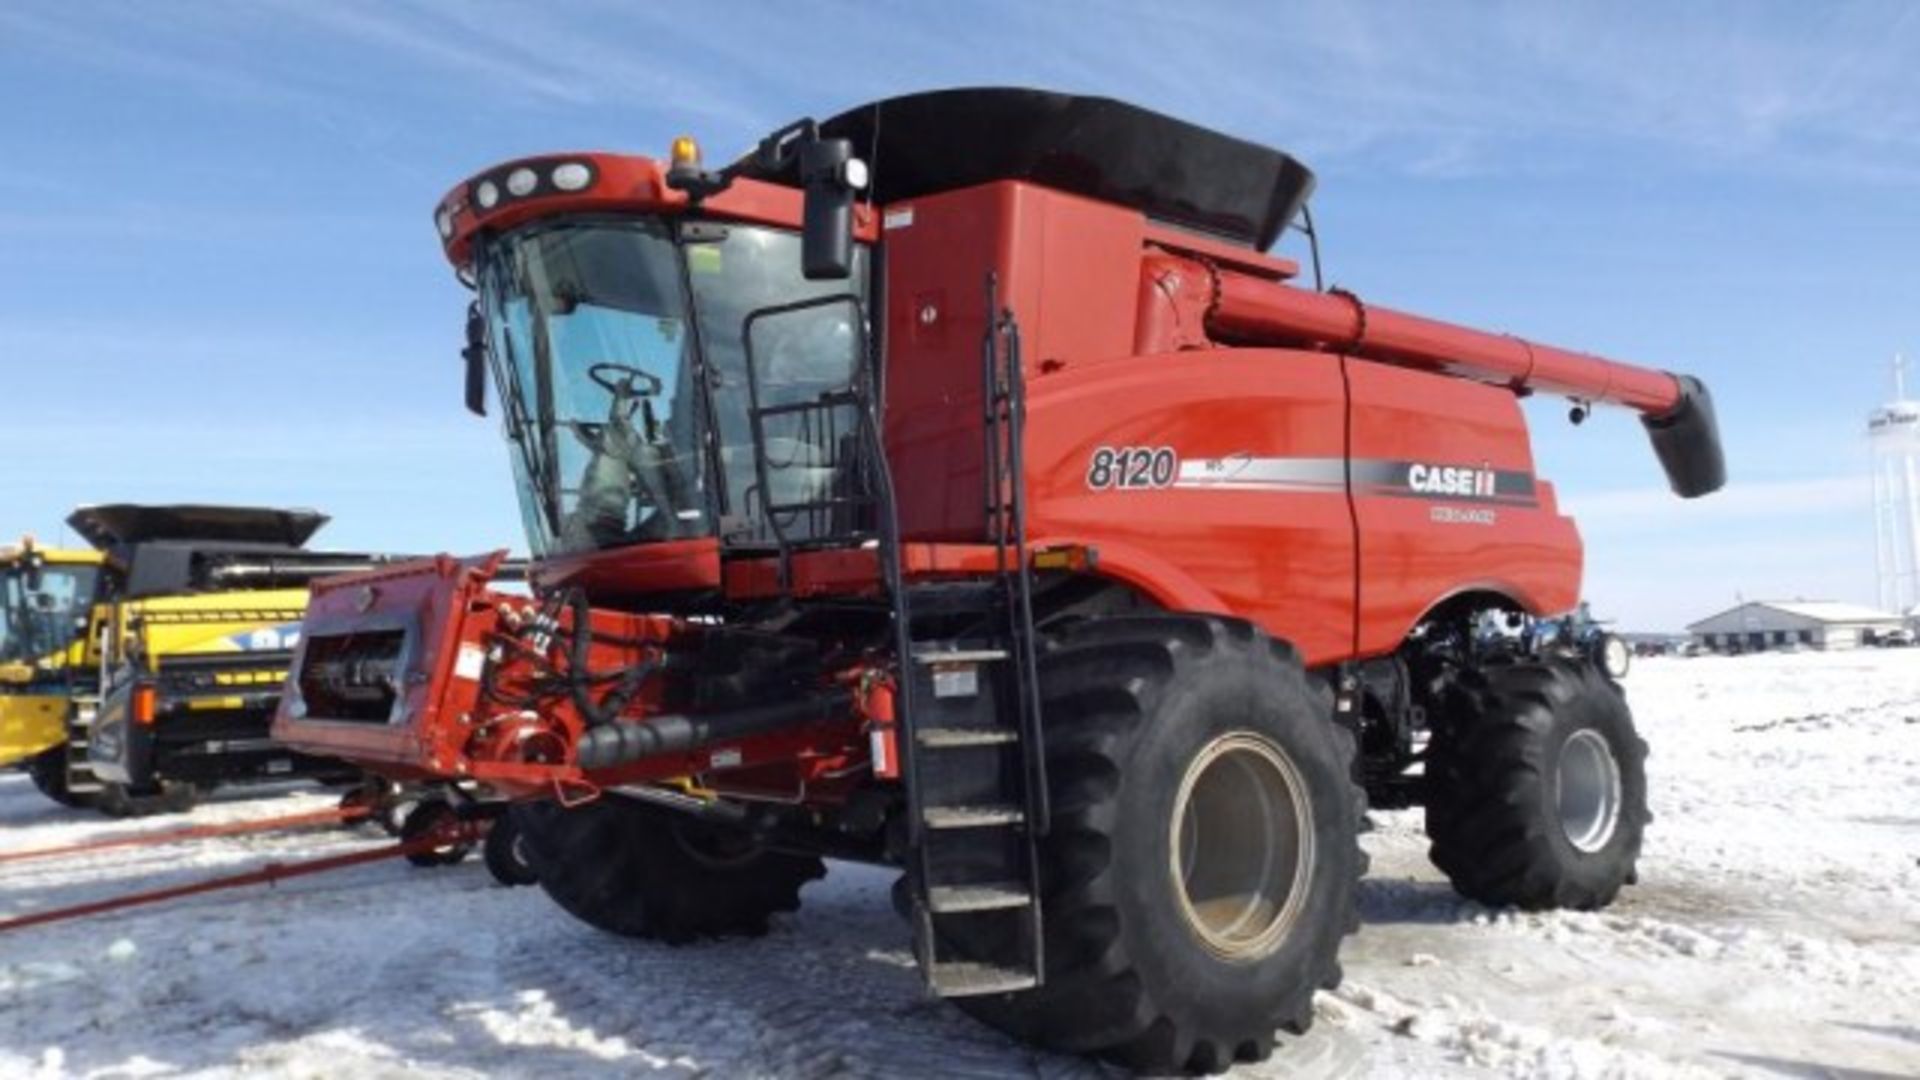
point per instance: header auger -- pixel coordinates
(1005, 514)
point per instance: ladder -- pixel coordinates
(973, 756)
(80, 777)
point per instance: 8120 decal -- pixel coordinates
(1129, 467)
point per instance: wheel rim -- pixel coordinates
(1589, 782)
(1242, 850)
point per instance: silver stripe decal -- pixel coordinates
(1244, 472)
(1371, 477)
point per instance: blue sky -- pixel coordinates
(221, 281)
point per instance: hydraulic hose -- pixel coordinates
(606, 710)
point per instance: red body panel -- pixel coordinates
(1068, 267)
(1228, 533)
(636, 575)
(1256, 519)
(1417, 550)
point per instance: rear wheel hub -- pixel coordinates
(1589, 790)
(1242, 851)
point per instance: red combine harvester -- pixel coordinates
(1008, 516)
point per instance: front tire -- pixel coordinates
(1537, 792)
(1183, 927)
(644, 871)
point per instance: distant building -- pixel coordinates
(1761, 625)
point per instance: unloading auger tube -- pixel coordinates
(1676, 410)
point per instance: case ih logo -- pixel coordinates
(1452, 480)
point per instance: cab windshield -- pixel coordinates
(43, 612)
(589, 336)
(621, 367)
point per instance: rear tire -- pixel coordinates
(1175, 948)
(49, 771)
(168, 797)
(1537, 793)
(645, 871)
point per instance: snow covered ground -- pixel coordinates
(1775, 932)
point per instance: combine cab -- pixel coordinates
(46, 597)
(197, 616)
(1011, 517)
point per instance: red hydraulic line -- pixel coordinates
(266, 875)
(329, 816)
(1263, 310)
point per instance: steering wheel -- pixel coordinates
(602, 375)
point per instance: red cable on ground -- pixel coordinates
(197, 832)
(266, 875)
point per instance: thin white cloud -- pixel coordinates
(125, 50)
(435, 41)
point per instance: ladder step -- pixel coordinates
(962, 979)
(948, 738)
(959, 656)
(971, 817)
(954, 899)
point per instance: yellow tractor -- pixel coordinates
(47, 603)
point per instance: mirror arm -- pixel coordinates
(475, 354)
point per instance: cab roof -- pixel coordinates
(116, 524)
(1171, 170)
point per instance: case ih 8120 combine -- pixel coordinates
(1020, 524)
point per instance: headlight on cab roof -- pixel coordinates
(530, 179)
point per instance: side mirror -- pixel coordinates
(831, 176)
(475, 354)
(34, 571)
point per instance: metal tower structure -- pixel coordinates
(1893, 433)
